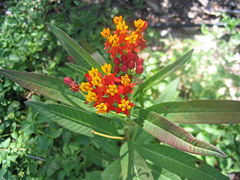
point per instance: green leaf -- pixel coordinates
(68, 117)
(169, 93)
(135, 167)
(164, 72)
(113, 171)
(77, 68)
(48, 86)
(141, 170)
(179, 162)
(177, 137)
(80, 55)
(200, 111)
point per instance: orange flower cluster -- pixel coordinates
(105, 91)
(123, 44)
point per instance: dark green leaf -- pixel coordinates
(73, 118)
(179, 162)
(113, 171)
(45, 85)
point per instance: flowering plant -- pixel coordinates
(117, 113)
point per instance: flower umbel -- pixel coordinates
(124, 44)
(105, 91)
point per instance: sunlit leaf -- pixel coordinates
(162, 73)
(200, 111)
(81, 56)
(177, 137)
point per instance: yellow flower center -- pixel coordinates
(125, 80)
(112, 90)
(132, 38)
(96, 81)
(85, 87)
(91, 97)
(101, 108)
(105, 32)
(113, 40)
(106, 68)
(93, 72)
(121, 26)
(139, 23)
(117, 19)
(124, 105)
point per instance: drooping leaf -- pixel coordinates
(179, 162)
(113, 171)
(177, 137)
(162, 73)
(170, 93)
(81, 56)
(48, 86)
(200, 111)
(63, 115)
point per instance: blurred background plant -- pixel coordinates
(32, 147)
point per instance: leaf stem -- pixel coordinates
(108, 136)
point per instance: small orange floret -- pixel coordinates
(117, 19)
(93, 72)
(121, 26)
(96, 81)
(140, 24)
(114, 40)
(132, 38)
(105, 32)
(85, 87)
(125, 80)
(101, 108)
(91, 97)
(125, 105)
(112, 89)
(107, 68)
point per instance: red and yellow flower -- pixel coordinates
(105, 91)
(124, 44)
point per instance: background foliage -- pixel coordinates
(32, 147)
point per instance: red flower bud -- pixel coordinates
(116, 61)
(139, 61)
(124, 58)
(139, 69)
(75, 87)
(116, 69)
(131, 64)
(124, 68)
(68, 81)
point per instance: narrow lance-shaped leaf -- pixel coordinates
(161, 74)
(170, 93)
(48, 86)
(177, 137)
(113, 171)
(81, 56)
(199, 111)
(62, 114)
(133, 165)
(179, 162)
